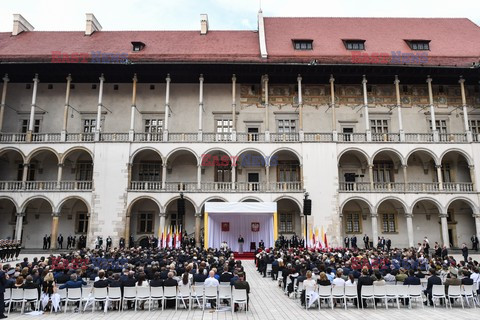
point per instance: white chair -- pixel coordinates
(367, 293)
(380, 292)
(143, 294)
(298, 290)
(156, 293)
(391, 293)
(415, 293)
(129, 294)
(438, 292)
(114, 295)
(224, 283)
(184, 294)
(338, 292)
(224, 293)
(311, 294)
(196, 292)
(15, 297)
(87, 296)
(169, 293)
(239, 296)
(269, 269)
(467, 293)
(210, 293)
(423, 283)
(99, 295)
(30, 295)
(73, 295)
(351, 294)
(325, 293)
(7, 295)
(454, 292)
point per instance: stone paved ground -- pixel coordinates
(268, 302)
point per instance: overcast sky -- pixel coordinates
(60, 15)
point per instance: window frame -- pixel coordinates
(354, 44)
(419, 45)
(146, 217)
(302, 44)
(349, 218)
(283, 227)
(389, 217)
(78, 219)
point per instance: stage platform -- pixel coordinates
(244, 255)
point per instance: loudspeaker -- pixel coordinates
(181, 207)
(307, 207)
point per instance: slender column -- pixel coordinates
(267, 175)
(399, 109)
(164, 174)
(129, 168)
(436, 137)
(405, 177)
(4, 98)
(99, 108)
(300, 167)
(365, 109)
(25, 174)
(370, 176)
(472, 176)
(477, 224)
(302, 226)
(234, 174)
(199, 176)
(133, 107)
(65, 109)
(59, 174)
(167, 107)
(300, 108)
(32, 108)
(19, 225)
(161, 227)
(439, 177)
(200, 108)
(443, 221)
(198, 223)
(468, 132)
(55, 216)
(409, 217)
(127, 231)
(234, 104)
(332, 104)
(374, 229)
(267, 124)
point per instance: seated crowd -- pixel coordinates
(132, 267)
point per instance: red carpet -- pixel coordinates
(244, 256)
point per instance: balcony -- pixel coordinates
(413, 187)
(156, 186)
(250, 137)
(46, 186)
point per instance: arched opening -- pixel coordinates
(181, 171)
(461, 224)
(456, 172)
(285, 171)
(37, 223)
(73, 222)
(353, 171)
(250, 171)
(184, 222)
(11, 170)
(356, 215)
(289, 220)
(8, 218)
(387, 171)
(422, 172)
(144, 217)
(216, 171)
(392, 223)
(77, 171)
(426, 222)
(42, 171)
(146, 171)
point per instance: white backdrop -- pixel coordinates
(240, 216)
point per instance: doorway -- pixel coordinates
(253, 181)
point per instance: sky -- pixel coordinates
(66, 15)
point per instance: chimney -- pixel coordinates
(92, 24)
(203, 23)
(20, 24)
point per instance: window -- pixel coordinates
(354, 44)
(382, 172)
(90, 124)
(150, 171)
(145, 222)
(286, 223)
(287, 171)
(176, 220)
(379, 126)
(137, 46)
(303, 44)
(475, 128)
(82, 222)
(389, 223)
(352, 223)
(223, 173)
(287, 126)
(25, 124)
(224, 129)
(153, 125)
(441, 126)
(84, 171)
(446, 177)
(419, 44)
(31, 172)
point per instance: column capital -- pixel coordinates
(234, 78)
(265, 77)
(6, 78)
(168, 79)
(56, 214)
(35, 79)
(476, 215)
(374, 215)
(60, 164)
(134, 79)
(20, 214)
(443, 215)
(461, 80)
(201, 78)
(404, 166)
(397, 81)
(370, 166)
(299, 78)
(438, 166)
(408, 215)
(198, 215)
(471, 166)
(162, 214)
(429, 80)
(69, 78)
(364, 80)
(332, 79)
(102, 78)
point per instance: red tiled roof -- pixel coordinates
(179, 46)
(453, 41)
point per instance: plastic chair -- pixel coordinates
(7, 295)
(239, 296)
(299, 290)
(169, 293)
(367, 293)
(351, 293)
(99, 295)
(415, 293)
(15, 297)
(391, 293)
(380, 292)
(438, 292)
(114, 295)
(269, 269)
(73, 295)
(309, 290)
(156, 293)
(467, 293)
(325, 293)
(224, 293)
(453, 293)
(338, 292)
(129, 294)
(196, 292)
(143, 294)
(210, 293)
(184, 293)
(30, 295)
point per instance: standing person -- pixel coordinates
(465, 252)
(109, 243)
(389, 244)
(74, 240)
(353, 241)
(122, 243)
(474, 240)
(45, 242)
(240, 244)
(366, 241)
(49, 241)
(60, 241)
(3, 282)
(346, 242)
(426, 245)
(444, 252)
(69, 241)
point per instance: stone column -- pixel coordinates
(472, 176)
(66, 108)
(476, 216)
(131, 133)
(300, 108)
(300, 167)
(409, 218)
(200, 108)
(129, 168)
(468, 132)
(25, 175)
(365, 109)
(59, 175)
(399, 109)
(164, 175)
(55, 216)
(302, 226)
(405, 177)
(370, 177)
(19, 225)
(436, 136)
(332, 104)
(199, 176)
(267, 176)
(4, 98)
(161, 226)
(32, 108)
(167, 108)
(198, 223)
(374, 229)
(234, 174)
(127, 231)
(234, 105)
(444, 223)
(267, 124)
(439, 177)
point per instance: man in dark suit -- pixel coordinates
(364, 280)
(49, 241)
(465, 252)
(74, 282)
(261, 244)
(60, 241)
(3, 283)
(389, 244)
(444, 252)
(226, 276)
(346, 242)
(242, 284)
(170, 282)
(69, 242)
(241, 241)
(434, 279)
(353, 242)
(366, 241)
(411, 280)
(129, 282)
(45, 242)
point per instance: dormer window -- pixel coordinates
(304, 44)
(354, 44)
(419, 44)
(137, 46)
